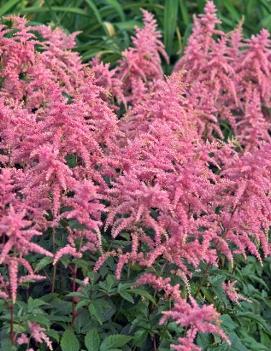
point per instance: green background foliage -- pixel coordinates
(106, 25)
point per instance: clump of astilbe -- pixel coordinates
(16, 232)
(37, 333)
(232, 293)
(40, 137)
(252, 127)
(168, 199)
(53, 117)
(197, 319)
(224, 74)
(107, 79)
(52, 112)
(209, 73)
(254, 66)
(245, 202)
(27, 60)
(155, 107)
(166, 188)
(141, 64)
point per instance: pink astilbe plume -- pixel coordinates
(231, 292)
(38, 334)
(255, 66)
(66, 250)
(201, 41)
(141, 64)
(107, 79)
(16, 229)
(209, 74)
(197, 319)
(86, 210)
(245, 215)
(17, 234)
(252, 128)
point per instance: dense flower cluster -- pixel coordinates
(163, 173)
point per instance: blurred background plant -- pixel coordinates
(106, 25)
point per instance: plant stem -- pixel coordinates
(11, 333)
(53, 279)
(74, 301)
(54, 269)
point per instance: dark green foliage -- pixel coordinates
(111, 315)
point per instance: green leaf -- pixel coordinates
(140, 337)
(184, 12)
(232, 11)
(251, 343)
(116, 5)
(95, 11)
(125, 292)
(126, 296)
(254, 317)
(8, 5)
(102, 310)
(227, 322)
(170, 22)
(114, 341)
(39, 9)
(69, 341)
(45, 261)
(53, 334)
(144, 293)
(236, 343)
(33, 304)
(92, 340)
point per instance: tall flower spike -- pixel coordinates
(141, 64)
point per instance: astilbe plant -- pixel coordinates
(162, 174)
(49, 115)
(141, 64)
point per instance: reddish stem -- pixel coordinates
(11, 333)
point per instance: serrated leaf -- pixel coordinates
(257, 318)
(227, 322)
(53, 334)
(44, 262)
(102, 310)
(126, 296)
(144, 293)
(92, 340)
(236, 343)
(114, 341)
(69, 341)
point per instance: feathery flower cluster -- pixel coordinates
(231, 292)
(52, 114)
(37, 333)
